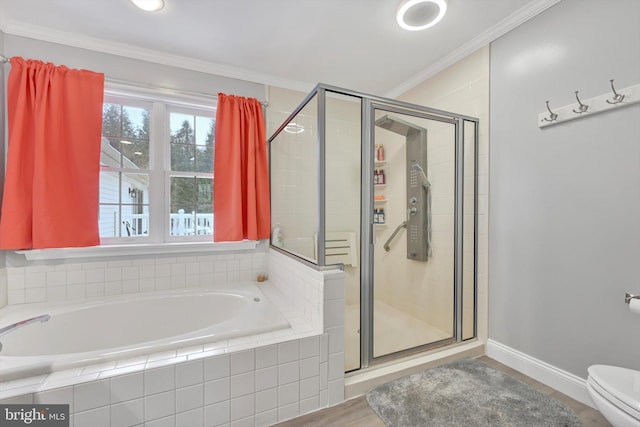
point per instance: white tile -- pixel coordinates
(242, 384)
(75, 277)
(324, 375)
(130, 286)
(25, 399)
(146, 272)
(35, 295)
(333, 289)
(324, 347)
(288, 393)
(113, 288)
(309, 387)
(147, 284)
(333, 313)
(266, 356)
(336, 339)
(159, 380)
(35, 280)
(267, 418)
(266, 400)
(242, 361)
(194, 418)
(130, 273)
(336, 392)
(288, 372)
(127, 387)
(336, 366)
(189, 398)
(309, 405)
(178, 270)
(242, 407)
(244, 422)
(266, 378)
(91, 395)
(310, 367)
(216, 367)
(163, 270)
(56, 278)
(56, 293)
(76, 291)
(287, 412)
(309, 347)
(189, 373)
(169, 421)
(100, 417)
(324, 398)
(217, 391)
(95, 290)
(112, 274)
(62, 395)
(128, 413)
(159, 405)
(94, 275)
(16, 296)
(218, 414)
(288, 351)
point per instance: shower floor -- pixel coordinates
(394, 330)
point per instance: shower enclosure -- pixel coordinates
(387, 190)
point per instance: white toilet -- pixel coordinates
(616, 393)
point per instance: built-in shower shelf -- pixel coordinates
(380, 163)
(378, 186)
(380, 225)
(381, 201)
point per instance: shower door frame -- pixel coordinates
(368, 104)
(369, 107)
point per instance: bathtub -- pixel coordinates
(129, 326)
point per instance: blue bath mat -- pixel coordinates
(466, 393)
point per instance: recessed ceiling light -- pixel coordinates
(415, 15)
(149, 5)
(293, 128)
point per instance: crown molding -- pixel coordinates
(22, 29)
(509, 23)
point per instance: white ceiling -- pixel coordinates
(354, 44)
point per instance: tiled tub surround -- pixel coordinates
(252, 381)
(62, 280)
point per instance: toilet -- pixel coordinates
(616, 393)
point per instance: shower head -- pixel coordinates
(425, 181)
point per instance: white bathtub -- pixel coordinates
(129, 326)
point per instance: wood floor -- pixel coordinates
(357, 413)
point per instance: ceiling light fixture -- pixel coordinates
(415, 15)
(149, 5)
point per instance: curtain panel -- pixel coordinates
(51, 190)
(241, 175)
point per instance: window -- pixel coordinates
(156, 171)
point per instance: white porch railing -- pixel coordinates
(181, 224)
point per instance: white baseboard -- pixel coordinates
(563, 381)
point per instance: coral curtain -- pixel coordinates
(53, 159)
(241, 175)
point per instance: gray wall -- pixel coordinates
(565, 201)
(130, 70)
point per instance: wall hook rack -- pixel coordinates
(617, 97)
(624, 97)
(582, 108)
(552, 116)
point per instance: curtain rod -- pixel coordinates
(4, 60)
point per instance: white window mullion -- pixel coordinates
(157, 194)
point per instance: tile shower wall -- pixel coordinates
(79, 280)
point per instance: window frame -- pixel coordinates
(162, 103)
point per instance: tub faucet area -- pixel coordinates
(10, 328)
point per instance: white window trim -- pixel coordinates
(133, 250)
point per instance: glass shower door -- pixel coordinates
(414, 231)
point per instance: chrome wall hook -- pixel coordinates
(582, 108)
(552, 116)
(617, 97)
